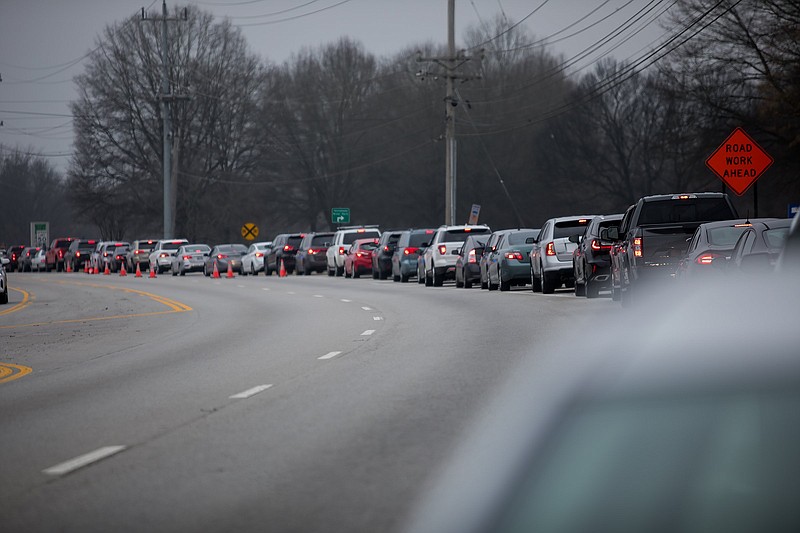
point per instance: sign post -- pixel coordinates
(474, 213)
(340, 215)
(739, 162)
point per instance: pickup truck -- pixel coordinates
(54, 257)
(654, 235)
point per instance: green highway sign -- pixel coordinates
(340, 215)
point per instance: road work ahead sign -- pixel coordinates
(739, 161)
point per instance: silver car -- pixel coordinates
(551, 257)
(189, 258)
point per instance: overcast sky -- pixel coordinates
(43, 42)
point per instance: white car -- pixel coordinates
(38, 261)
(439, 259)
(342, 240)
(253, 260)
(551, 256)
(162, 253)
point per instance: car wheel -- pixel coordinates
(505, 286)
(547, 285)
(395, 278)
(339, 271)
(174, 272)
(428, 280)
(591, 289)
(438, 280)
(580, 288)
(356, 273)
(4, 298)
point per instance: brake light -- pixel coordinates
(137, 252)
(222, 256)
(410, 250)
(707, 259)
(386, 248)
(105, 254)
(472, 257)
(359, 254)
(596, 246)
(163, 254)
(550, 249)
(428, 232)
(77, 254)
(259, 254)
(513, 255)
(60, 253)
(341, 250)
(637, 247)
(362, 230)
(467, 230)
(442, 249)
(288, 248)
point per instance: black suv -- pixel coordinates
(382, 256)
(284, 248)
(78, 253)
(311, 254)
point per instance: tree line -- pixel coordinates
(335, 126)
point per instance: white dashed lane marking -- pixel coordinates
(83, 460)
(377, 318)
(368, 332)
(346, 300)
(367, 308)
(250, 392)
(329, 355)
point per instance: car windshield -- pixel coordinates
(726, 236)
(350, 238)
(692, 210)
(724, 463)
(521, 237)
(569, 228)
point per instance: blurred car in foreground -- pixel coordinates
(509, 263)
(253, 260)
(759, 247)
(3, 283)
(223, 256)
(591, 262)
(670, 436)
(468, 268)
(190, 258)
(358, 259)
(410, 245)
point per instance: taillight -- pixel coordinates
(637, 247)
(105, 254)
(60, 253)
(442, 249)
(596, 246)
(513, 255)
(472, 257)
(222, 256)
(550, 249)
(341, 250)
(707, 258)
(187, 257)
(163, 254)
(77, 254)
(259, 254)
(410, 250)
(359, 254)
(386, 248)
(288, 248)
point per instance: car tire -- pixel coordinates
(356, 273)
(339, 271)
(505, 286)
(459, 284)
(428, 280)
(547, 285)
(395, 278)
(174, 272)
(4, 298)
(591, 289)
(183, 272)
(580, 289)
(438, 281)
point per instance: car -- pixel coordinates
(509, 262)
(358, 259)
(551, 256)
(25, 258)
(311, 253)
(382, 256)
(410, 245)
(13, 254)
(38, 260)
(253, 260)
(468, 269)
(55, 253)
(695, 429)
(139, 254)
(78, 253)
(160, 258)
(223, 256)
(758, 248)
(790, 255)
(491, 244)
(710, 248)
(107, 256)
(591, 261)
(283, 252)
(342, 239)
(3, 282)
(189, 258)
(119, 257)
(439, 259)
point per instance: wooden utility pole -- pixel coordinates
(451, 63)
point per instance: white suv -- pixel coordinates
(439, 259)
(162, 252)
(341, 242)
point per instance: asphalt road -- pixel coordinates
(250, 404)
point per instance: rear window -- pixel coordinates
(368, 246)
(725, 236)
(63, 244)
(460, 235)
(171, 245)
(522, 237)
(569, 228)
(692, 210)
(416, 240)
(350, 238)
(319, 240)
(294, 242)
(86, 246)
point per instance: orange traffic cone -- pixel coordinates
(282, 271)
(69, 267)
(215, 274)
(230, 271)
(153, 271)
(86, 267)
(122, 271)
(106, 272)
(138, 271)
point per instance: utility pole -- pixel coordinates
(451, 63)
(166, 97)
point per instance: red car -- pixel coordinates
(359, 258)
(54, 259)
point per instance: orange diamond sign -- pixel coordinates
(739, 161)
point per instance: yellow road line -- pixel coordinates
(26, 301)
(7, 372)
(174, 305)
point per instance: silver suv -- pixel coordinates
(551, 257)
(439, 259)
(341, 242)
